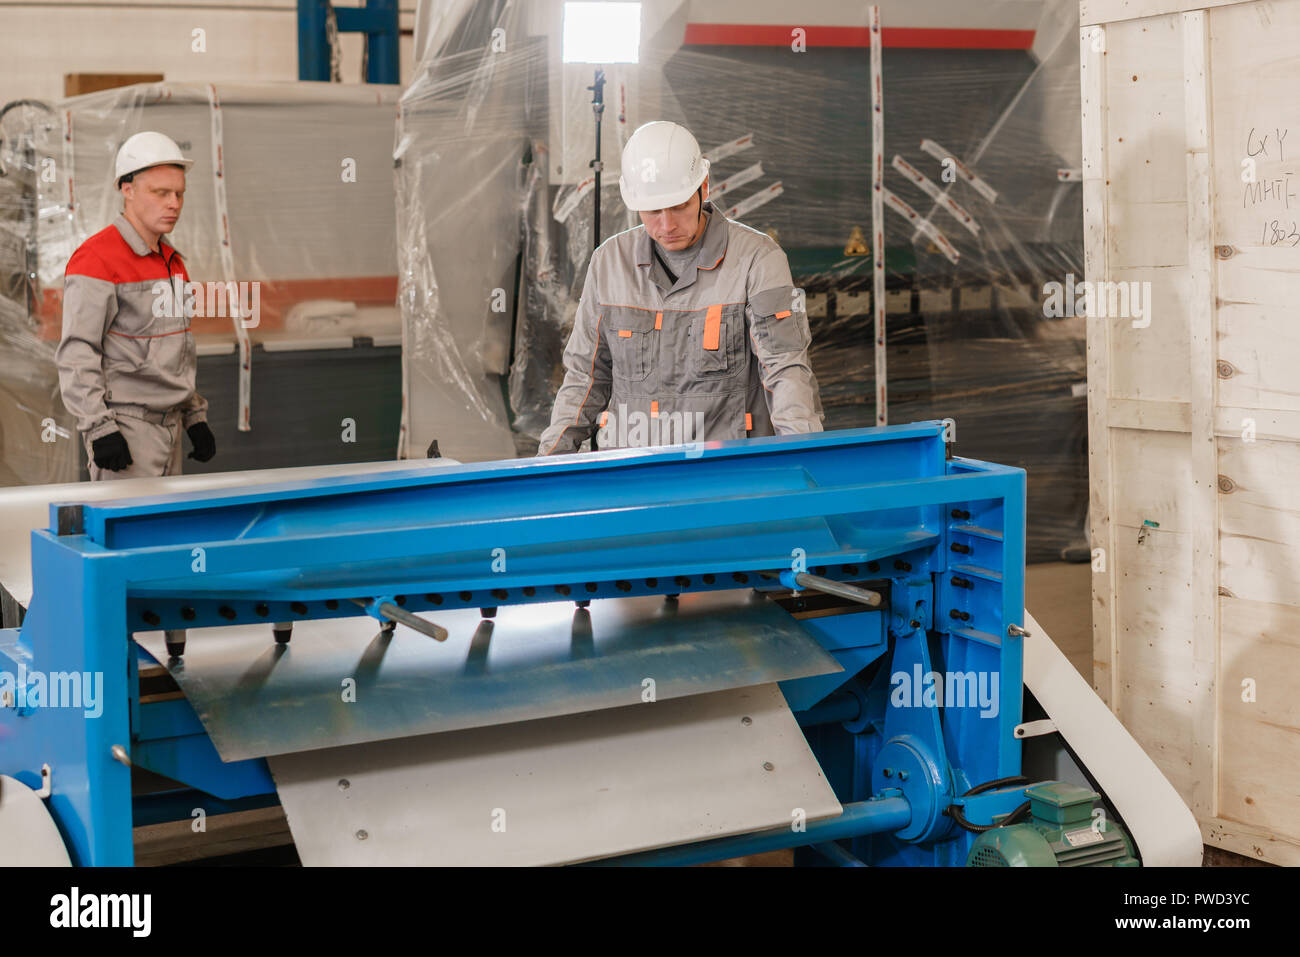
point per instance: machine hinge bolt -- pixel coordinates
(914, 624)
(902, 775)
(362, 835)
(769, 766)
(1015, 631)
(888, 772)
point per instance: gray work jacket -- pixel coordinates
(722, 353)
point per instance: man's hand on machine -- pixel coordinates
(111, 453)
(205, 443)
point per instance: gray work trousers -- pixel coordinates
(154, 439)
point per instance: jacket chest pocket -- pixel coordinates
(147, 331)
(717, 340)
(633, 342)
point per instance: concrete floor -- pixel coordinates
(1059, 595)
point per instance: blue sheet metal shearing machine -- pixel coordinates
(906, 565)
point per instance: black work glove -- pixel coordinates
(111, 453)
(205, 443)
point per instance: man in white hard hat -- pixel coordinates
(689, 328)
(126, 359)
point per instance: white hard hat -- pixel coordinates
(148, 149)
(662, 166)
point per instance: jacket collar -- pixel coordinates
(135, 241)
(713, 248)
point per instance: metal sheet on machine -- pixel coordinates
(338, 682)
(558, 790)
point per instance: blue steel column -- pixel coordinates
(382, 61)
(1013, 612)
(313, 48)
(377, 20)
(76, 623)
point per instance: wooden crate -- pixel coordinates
(1194, 418)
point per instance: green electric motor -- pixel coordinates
(1061, 832)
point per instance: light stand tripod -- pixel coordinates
(597, 107)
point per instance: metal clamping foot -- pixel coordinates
(175, 641)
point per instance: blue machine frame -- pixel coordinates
(377, 19)
(943, 538)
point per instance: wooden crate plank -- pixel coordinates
(1152, 415)
(1253, 842)
(1259, 220)
(1260, 782)
(1203, 502)
(1260, 522)
(1155, 642)
(1110, 11)
(1261, 342)
(1152, 473)
(1261, 714)
(1163, 729)
(1092, 68)
(1151, 361)
(1261, 644)
(1144, 129)
(1262, 424)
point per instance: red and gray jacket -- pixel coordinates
(126, 346)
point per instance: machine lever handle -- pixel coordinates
(872, 599)
(394, 612)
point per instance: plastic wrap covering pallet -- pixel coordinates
(790, 156)
(396, 659)
(34, 427)
(290, 199)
